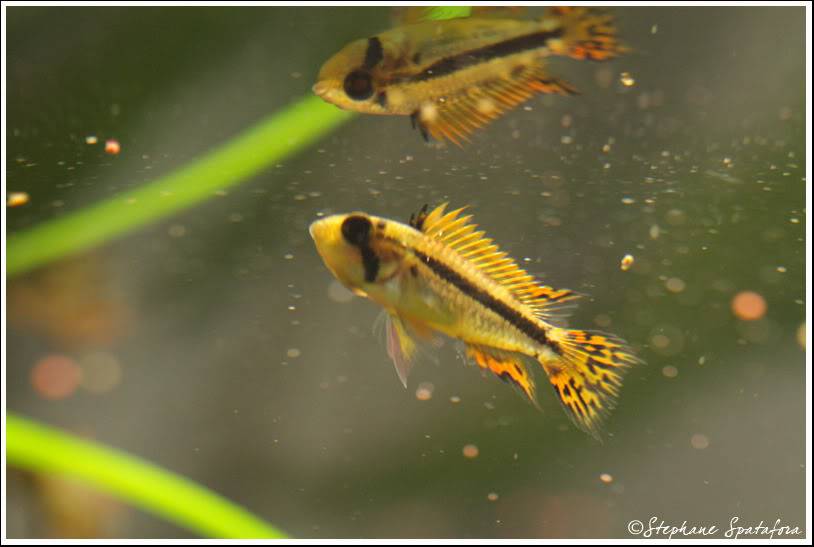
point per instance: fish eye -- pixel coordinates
(356, 230)
(358, 85)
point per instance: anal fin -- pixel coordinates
(507, 366)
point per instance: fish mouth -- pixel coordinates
(319, 230)
(312, 229)
(321, 89)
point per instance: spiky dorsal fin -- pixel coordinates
(417, 14)
(461, 234)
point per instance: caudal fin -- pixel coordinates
(588, 33)
(587, 374)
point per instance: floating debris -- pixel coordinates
(471, 451)
(455, 399)
(55, 377)
(293, 353)
(669, 371)
(607, 478)
(675, 285)
(748, 306)
(112, 147)
(91, 139)
(699, 441)
(492, 496)
(626, 79)
(424, 391)
(627, 262)
(15, 199)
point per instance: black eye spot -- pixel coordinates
(356, 230)
(358, 85)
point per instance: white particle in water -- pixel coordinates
(626, 79)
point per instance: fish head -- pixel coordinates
(352, 79)
(356, 249)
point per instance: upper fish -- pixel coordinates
(453, 76)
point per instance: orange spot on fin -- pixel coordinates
(589, 33)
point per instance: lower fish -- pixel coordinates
(440, 274)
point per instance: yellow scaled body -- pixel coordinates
(440, 274)
(455, 75)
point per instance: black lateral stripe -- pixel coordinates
(374, 53)
(505, 311)
(449, 65)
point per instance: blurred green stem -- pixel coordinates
(271, 140)
(43, 449)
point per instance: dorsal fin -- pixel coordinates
(462, 235)
(417, 14)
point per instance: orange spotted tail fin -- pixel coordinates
(589, 33)
(587, 374)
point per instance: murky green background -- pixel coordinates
(241, 367)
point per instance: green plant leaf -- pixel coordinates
(271, 140)
(43, 449)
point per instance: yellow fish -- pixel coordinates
(453, 76)
(440, 274)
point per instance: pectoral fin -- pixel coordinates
(400, 347)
